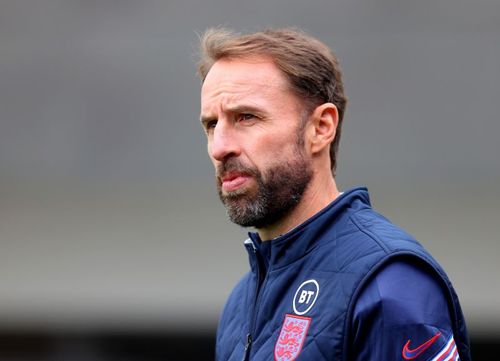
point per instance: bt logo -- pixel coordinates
(305, 297)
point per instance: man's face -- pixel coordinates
(254, 126)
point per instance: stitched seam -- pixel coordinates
(371, 235)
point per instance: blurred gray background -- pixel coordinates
(108, 214)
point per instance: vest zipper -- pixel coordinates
(247, 347)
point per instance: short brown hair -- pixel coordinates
(309, 65)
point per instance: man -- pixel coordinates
(330, 278)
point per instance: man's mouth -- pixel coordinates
(231, 182)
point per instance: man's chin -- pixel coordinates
(236, 195)
(235, 200)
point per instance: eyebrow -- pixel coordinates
(238, 109)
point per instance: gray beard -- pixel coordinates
(279, 191)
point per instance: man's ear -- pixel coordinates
(323, 127)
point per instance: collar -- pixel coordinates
(325, 224)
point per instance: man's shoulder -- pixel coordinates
(351, 218)
(383, 232)
(358, 233)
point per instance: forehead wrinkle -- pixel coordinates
(227, 99)
(235, 91)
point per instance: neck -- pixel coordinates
(320, 192)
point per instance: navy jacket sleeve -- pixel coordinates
(402, 314)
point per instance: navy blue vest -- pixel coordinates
(304, 295)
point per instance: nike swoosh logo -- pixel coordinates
(409, 354)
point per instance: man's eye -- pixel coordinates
(211, 124)
(245, 116)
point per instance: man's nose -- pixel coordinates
(224, 142)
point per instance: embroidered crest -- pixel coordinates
(291, 338)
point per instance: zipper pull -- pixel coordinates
(247, 347)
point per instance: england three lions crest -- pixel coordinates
(291, 339)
